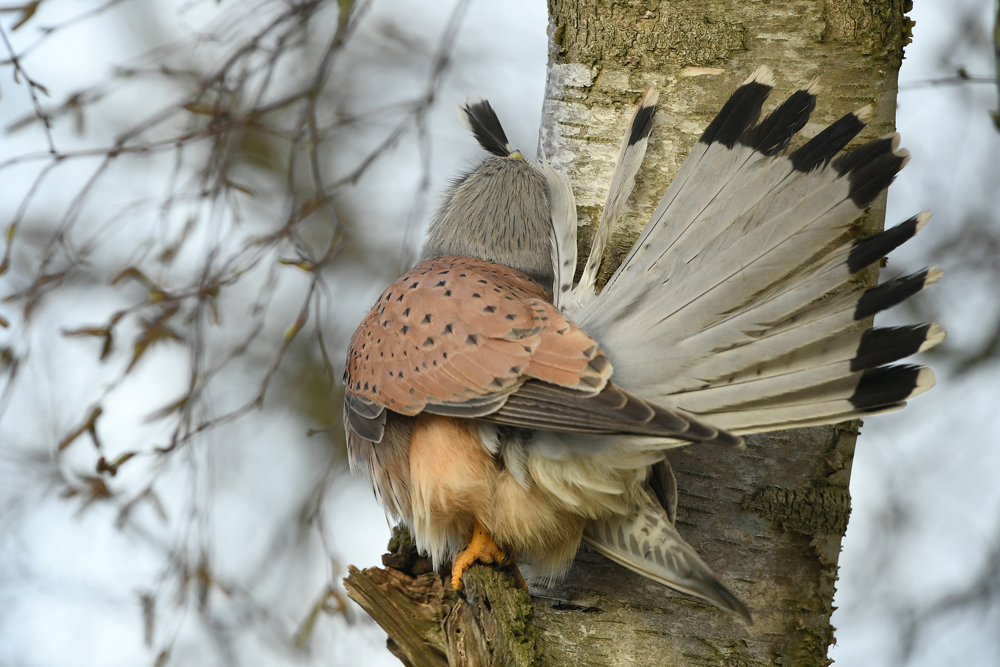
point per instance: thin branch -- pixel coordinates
(33, 86)
(947, 81)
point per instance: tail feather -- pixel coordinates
(827, 418)
(800, 349)
(784, 388)
(783, 316)
(715, 159)
(870, 392)
(821, 149)
(768, 241)
(738, 302)
(630, 156)
(647, 542)
(562, 206)
(481, 120)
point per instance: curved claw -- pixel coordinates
(518, 577)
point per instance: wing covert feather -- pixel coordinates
(453, 330)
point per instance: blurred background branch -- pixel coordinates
(189, 252)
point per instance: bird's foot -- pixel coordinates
(482, 548)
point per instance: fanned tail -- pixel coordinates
(739, 302)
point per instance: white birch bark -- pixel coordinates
(770, 520)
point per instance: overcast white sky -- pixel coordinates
(926, 502)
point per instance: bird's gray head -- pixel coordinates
(498, 212)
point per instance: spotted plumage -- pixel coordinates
(455, 330)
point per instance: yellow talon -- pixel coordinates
(481, 548)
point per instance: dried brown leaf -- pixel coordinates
(90, 425)
(171, 251)
(22, 122)
(201, 109)
(169, 409)
(153, 331)
(96, 489)
(296, 327)
(148, 603)
(134, 273)
(305, 265)
(330, 602)
(100, 332)
(112, 468)
(8, 361)
(154, 500)
(204, 582)
(27, 12)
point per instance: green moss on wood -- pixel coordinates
(506, 614)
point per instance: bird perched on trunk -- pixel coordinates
(501, 411)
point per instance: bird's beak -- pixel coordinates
(516, 155)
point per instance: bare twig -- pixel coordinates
(244, 207)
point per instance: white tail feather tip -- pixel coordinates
(649, 98)
(934, 274)
(925, 380)
(905, 154)
(463, 115)
(894, 136)
(922, 219)
(865, 113)
(762, 74)
(935, 334)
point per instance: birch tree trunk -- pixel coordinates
(769, 519)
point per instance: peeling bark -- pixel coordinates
(770, 519)
(430, 626)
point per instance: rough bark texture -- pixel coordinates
(770, 519)
(430, 626)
